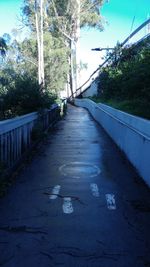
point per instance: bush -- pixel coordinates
(24, 96)
(128, 83)
(129, 80)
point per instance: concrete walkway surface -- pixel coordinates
(79, 203)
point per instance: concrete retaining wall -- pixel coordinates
(91, 90)
(130, 133)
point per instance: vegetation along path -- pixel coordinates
(79, 203)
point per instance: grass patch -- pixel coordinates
(136, 107)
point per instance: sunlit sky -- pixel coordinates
(119, 16)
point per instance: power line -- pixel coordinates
(133, 20)
(121, 45)
(135, 14)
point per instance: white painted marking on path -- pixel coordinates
(79, 169)
(67, 205)
(95, 190)
(111, 204)
(55, 192)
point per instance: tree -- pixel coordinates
(3, 47)
(63, 19)
(32, 16)
(68, 17)
(127, 83)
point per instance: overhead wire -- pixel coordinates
(134, 16)
(122, 44)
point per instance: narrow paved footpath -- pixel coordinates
(79, 203)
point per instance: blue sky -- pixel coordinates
(119, 15)
(9, 11)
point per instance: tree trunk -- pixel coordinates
(75, 51)
(39, 33)
(38, 43)
(77, 44)
(71, 71)
(41, 46)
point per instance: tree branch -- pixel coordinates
(59, 28)
(90, 7)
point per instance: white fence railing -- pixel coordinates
(16, 135)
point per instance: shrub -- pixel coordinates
(24, 96)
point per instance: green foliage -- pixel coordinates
(128, 82)
(28, 9)
(23, 96)
(63, 14)
(56, 63)
(19, 89)
(3, 47)
(92, 19)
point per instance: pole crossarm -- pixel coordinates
(102, 48)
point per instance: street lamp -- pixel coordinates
(101, 49)
(107, 49)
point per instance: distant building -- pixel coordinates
(91, 90)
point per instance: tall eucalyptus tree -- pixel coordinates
(63, 19)
(33, 17)
(69, 16)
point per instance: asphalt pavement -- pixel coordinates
(78, 203)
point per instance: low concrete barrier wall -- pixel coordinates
(130, 133)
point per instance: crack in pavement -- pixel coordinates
(65, 196)
(68, 247)
(22, 229)
(101, 243)
(70, 253)
(77, 253)
(46, 254)
(6, 260)
(41, 214)
(139, 205)
(109, 256)
(41, 188)
(134, 225)
(144, 260)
